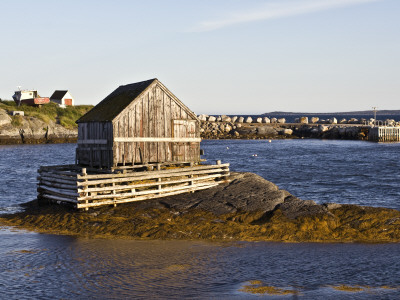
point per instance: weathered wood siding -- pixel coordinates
(154, 128)
(155, 115)
(95, 147)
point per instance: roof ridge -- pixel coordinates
(112, 105)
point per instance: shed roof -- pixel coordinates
(58, 94)
(109, 108)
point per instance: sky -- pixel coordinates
(217, 56)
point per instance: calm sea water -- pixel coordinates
(44, 266)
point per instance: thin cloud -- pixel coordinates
(275, 10)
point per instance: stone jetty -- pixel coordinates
(224, 127)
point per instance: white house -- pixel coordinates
(63, 98)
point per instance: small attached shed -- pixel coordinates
(63, 98)
(138, 123)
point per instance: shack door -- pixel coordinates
(184, 151)
(68, 101)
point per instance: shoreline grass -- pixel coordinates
(66, 117)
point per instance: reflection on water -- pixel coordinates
(37, 265)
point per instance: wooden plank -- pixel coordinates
(151, 144)
(140, 193)
(59, 185)
(132, 133)
(51, 179)
(115, 146)
(160, 124)
(60, 167)
(175, 110)
(154, 173)
(60, 173)
(106, 148)
(58, 191)
(183, 114)
(141, 198)
(93, 141)
(145, 116)
(157, 139)
(58, 198)
(131, 178)
(138, 124)
(131, 168)
(58, 177)
(167, 124)
(141, 185)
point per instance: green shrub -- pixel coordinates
(16, 121)
(49, 112)
(44, 117)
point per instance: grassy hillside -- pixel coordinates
(50, 112)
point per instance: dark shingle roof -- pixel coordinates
(114, 103)
(58, 94)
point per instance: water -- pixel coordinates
(355, 172)
(45, 266)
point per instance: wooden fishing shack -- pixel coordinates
(138, 123)
(140, 142)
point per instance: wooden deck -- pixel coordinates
(84, 188)
(384, 134)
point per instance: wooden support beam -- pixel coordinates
(142, 185)
(145, 177)
(139, 174)
(100, 189)
(146, 197)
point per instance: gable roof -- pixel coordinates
(109, 108)
(58, 94)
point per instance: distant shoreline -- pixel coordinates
(345, 113)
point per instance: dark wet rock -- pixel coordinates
(247, 130)
(266, 130)
(246, 192)
(293, 208)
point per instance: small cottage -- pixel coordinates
(138, 123)
(63, 98)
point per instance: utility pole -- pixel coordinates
(375, 110)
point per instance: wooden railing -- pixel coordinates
(384, 134)
(75, 185)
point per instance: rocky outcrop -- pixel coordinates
(246, 207)
(28, 129)
(5, 119)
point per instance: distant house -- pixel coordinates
(63, 98)
(29, 97)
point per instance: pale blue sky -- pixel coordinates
(233, 57)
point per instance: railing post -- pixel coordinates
(85, 186)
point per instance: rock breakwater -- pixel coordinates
(246, 208)
(225, 127)
(229, 130)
